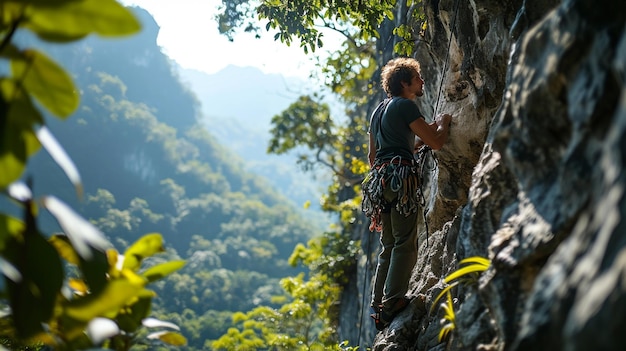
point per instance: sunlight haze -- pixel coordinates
(189, 35)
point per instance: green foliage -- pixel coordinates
(306, 319)
(296, 325)
(466, 274)
(348, 72)
(333, 255)
(79, 17)
(305, 123)
(299, 19)
(411, 31)
(46, 81)
(108, 290)
(102, 302)
(123, 298)
(32, 287)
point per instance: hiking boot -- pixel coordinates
(376, 312)
(387, 315)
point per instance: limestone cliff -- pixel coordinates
(531, 179)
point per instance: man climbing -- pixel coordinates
(391, 189)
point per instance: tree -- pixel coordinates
(306, 316)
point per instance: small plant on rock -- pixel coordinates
(467, 274)
(447, 322)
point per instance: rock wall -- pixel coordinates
(532, 178)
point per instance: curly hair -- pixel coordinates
(396, 71)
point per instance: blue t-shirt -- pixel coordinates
(391, 131)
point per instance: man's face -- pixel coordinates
(417, 85)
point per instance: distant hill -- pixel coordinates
(237, 105)
(245, 94)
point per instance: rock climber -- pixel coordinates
(397, 131)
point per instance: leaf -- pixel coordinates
(33, 297)
(63, 246)
(464, 271)
(95, 270)
(79, 286)
(47, 2)
(17, 138)
(170, 338)
(9, 270)
(46, 81)
(133, 277)
(445, 330)
(61, 158)
(477, 264)
(84, 236)
(100, 329)
(389, 14)
(476, 259)
(449, 317)
(161, 270)
(115, 296)
(131, 319)
(441, 293)
(10, 228)
(146, 246)
(20, 192)
(80, 18)
(156, 323)
(449, 308)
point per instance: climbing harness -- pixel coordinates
(400, 175)
(404, 177)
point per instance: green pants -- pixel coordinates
(398, 255)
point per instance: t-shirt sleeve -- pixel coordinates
(409, 111)
(373, 118)
(369, 127)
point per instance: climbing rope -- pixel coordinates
(445, 63)
(367, 271)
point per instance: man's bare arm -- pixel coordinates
(435, 134)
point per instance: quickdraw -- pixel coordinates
(401, 175)
(421, 162)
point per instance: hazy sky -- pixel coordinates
(190, 37)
